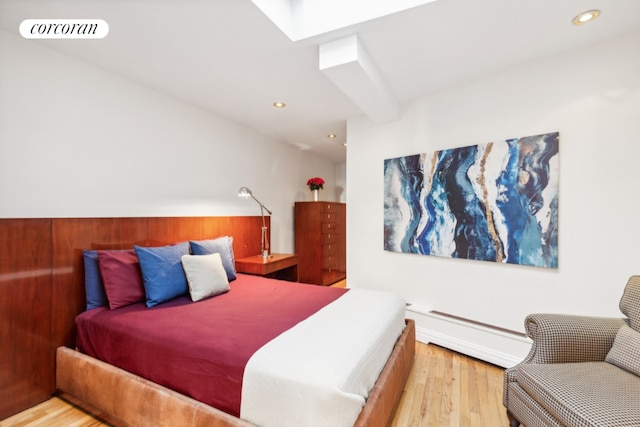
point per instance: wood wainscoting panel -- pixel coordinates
(42, 285)
(70, 237)
(26, 371)
(245, 230)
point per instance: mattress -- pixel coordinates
(250, 351)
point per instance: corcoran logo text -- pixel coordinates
(64, 29)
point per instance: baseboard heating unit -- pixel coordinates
(493, 344)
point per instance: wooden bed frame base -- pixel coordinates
(138, 402)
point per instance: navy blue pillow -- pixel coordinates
(93, 285)
(162, 273)
(222, 246)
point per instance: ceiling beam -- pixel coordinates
(347, 64)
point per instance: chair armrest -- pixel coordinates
(564, 338)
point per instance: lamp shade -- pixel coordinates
(244, 192)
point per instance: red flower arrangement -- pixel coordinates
(315, 183)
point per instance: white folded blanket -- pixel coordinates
(320, 372)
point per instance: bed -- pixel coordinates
(127, 381)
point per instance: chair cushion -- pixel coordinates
(630, 302)
(625, 352)
(584, 394)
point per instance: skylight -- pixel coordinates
(301, 19)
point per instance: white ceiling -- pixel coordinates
(227, 57)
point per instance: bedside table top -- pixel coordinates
(257, 265)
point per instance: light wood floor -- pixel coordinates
(444, 389)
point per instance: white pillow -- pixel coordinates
(205, 275)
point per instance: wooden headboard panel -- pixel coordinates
(42, 285)
(71, 236)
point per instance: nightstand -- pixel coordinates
(277, 266)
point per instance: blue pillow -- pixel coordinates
(93, 285)
(222, 246)
(162, 274)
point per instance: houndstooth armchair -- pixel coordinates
(581, 371)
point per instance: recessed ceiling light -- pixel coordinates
(279, 104)
(585, 17)
(331, 135)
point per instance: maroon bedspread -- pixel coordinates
(200, 349)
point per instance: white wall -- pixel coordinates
(592, 97)
(76, 141)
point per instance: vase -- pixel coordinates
(315, 195)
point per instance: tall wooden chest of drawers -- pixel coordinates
(320, 234)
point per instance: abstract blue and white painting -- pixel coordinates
(492, 202)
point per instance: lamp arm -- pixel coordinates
(265, 238)
(261, 205)
(264, 243)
